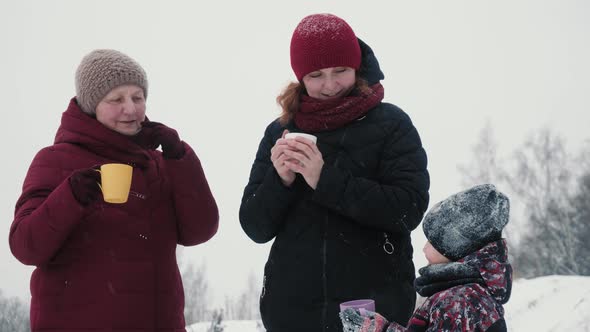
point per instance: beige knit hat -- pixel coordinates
(103, 70)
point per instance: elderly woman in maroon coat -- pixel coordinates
(103, 266)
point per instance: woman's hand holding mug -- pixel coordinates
(305, 158)
(279, 158)
(84, 185)
(112, 180)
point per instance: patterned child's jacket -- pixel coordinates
(464, 296)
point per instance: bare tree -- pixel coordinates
(547, 186)
(542, 180)
(216, 321)
(245, 305)
(484, 167)
(14, 314)
(229, 306)
(487, 167)
(196, 290)
(581, 205)
(580, 213)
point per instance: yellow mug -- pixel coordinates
(115, 182)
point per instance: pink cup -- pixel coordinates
(362, 305)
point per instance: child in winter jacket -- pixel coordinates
(468, 278)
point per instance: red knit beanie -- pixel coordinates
(323, 41)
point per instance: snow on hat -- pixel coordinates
(467, 221)
(323, 41)
(103, 70)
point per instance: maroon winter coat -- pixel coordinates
(108, 267)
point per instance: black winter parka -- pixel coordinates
(349, 238)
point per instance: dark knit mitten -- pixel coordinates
(154, 134)
(84, 185)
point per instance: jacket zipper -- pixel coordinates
(388, 246)
(136, 194)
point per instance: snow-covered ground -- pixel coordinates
(229, 326)
(552, 303)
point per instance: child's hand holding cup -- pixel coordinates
(363, 305)
(360, 315)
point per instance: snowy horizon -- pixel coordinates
(566, 299)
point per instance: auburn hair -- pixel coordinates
(289, 98)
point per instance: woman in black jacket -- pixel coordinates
(341, 210)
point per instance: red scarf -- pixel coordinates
(321, 115)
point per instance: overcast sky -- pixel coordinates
(215, 68)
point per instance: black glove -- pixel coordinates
(84, 185)
(154, 134)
